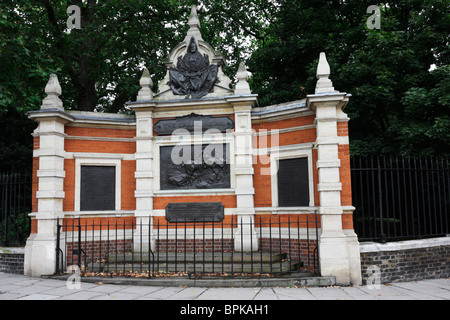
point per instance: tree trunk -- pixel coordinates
(86, 96)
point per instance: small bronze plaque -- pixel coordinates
(193, 123)
(195, 212)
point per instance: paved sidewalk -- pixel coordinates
(19, 287)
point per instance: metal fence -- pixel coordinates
(396, 198)
(399, 198)
(15, 205)
(117, 246)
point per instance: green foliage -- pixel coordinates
(15, 229)
(398, 105)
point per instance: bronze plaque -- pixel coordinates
(195, 212)
(194, 167)
(98, 188)
(293, 183)
(193, 123)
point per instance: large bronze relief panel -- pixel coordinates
(194, 167)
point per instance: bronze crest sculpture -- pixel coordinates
(193, 76)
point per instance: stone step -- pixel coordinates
(198, 267)
(178, 257)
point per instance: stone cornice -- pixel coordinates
(82, 117)
(341, 98)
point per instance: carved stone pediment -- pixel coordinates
(194, 68)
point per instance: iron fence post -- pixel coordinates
(380, 203)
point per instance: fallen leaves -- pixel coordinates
(164, 274)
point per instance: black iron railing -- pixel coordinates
(399, 198)
(15, 205)
(120, 246)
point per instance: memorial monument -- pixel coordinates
(200, 148)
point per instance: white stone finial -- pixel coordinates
(146, 83)
(53, 91)
(242, 86)
(324, 83)
(194, 26)
(193, 18)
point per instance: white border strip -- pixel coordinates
(404, 245)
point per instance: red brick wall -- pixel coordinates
(128, 167)
(162, 224)
(261, 182)
(228, 201)
(100, 223)
(345, 175)
(286, 123)
(100, 146)
(69, 185)
(96, 132)
(342, 128)
(128, 185)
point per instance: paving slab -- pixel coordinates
(116, 296)
(27, 282)
(266, 294)
(439, 283)
(11, 296)
(27, 290)
(293, 294)
(52, 283)
(80, 295)
(229, 294)
(39, 296)
(8, 280)
(14, 287)
(164, 293)
(332, 293)
(106, 288)
(187, 294)
(357, 294)
(61, 291)
(423, 289)
(9, 287)
(385, 292)
(141, 290)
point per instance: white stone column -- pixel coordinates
(245, 237)
(40, 254)
(144, 171)
(338, 254)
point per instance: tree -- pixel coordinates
(398, 104)
(99, 65)
(386, 70)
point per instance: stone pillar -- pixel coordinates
(339, 254)
(144, 163)
(245, 238)
(40, 254)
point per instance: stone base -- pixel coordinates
(40, 256)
